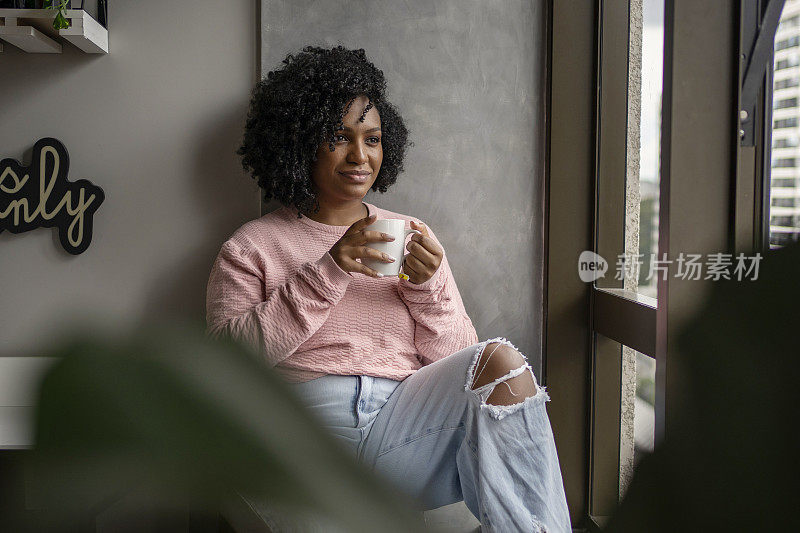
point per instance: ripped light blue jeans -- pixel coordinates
(437, 439)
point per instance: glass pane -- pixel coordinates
(645, 60)
(637, 412)
(644, 411)
(623, 417)
(783, 210)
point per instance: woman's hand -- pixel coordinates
(424, 257)
(352, 246)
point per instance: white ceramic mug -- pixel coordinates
(397, 228)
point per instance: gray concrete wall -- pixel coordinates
(467, 77)
(155, 123)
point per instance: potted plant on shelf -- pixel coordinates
(61, 21)
(78, 19)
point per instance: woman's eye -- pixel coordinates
(340, 137)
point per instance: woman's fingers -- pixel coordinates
(371, 253)
(365, 236)
(350, 247)
(368, 271)
(408, 269)
(422, 254)
(415, 264)
(364, 269)
(360, 224)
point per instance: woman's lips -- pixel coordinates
(356, 178)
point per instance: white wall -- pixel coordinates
(155, 123)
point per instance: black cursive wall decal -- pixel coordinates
(69, 206)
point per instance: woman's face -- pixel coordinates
(357, 149)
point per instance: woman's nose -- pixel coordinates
(357, 153)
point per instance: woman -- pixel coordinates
(392, 367)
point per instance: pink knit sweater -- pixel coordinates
(274, 286)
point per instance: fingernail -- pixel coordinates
(379, 275)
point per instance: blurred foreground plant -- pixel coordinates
(728, 461)
(180, 415)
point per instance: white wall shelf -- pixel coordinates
(32, 31)
(20, 378)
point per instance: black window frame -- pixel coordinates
(708, 179)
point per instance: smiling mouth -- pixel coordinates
(355, 178)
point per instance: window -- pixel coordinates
(786, 162)
(782, 221)
(787, 63)
(788, 142)
(627, 225)
(786, 102)
(787, 83)
(644, 147)
(785, 123)
(788, 43)
(711, 197)
(777, 239)
(784, 182)
(784, 202)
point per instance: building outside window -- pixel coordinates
(784, 206)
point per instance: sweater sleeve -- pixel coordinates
(442, 326)
(278, 323)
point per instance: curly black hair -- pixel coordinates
(300, 105)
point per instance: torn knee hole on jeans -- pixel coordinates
(483, 392)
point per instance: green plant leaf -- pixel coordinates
(60, 22)
(183, 415)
